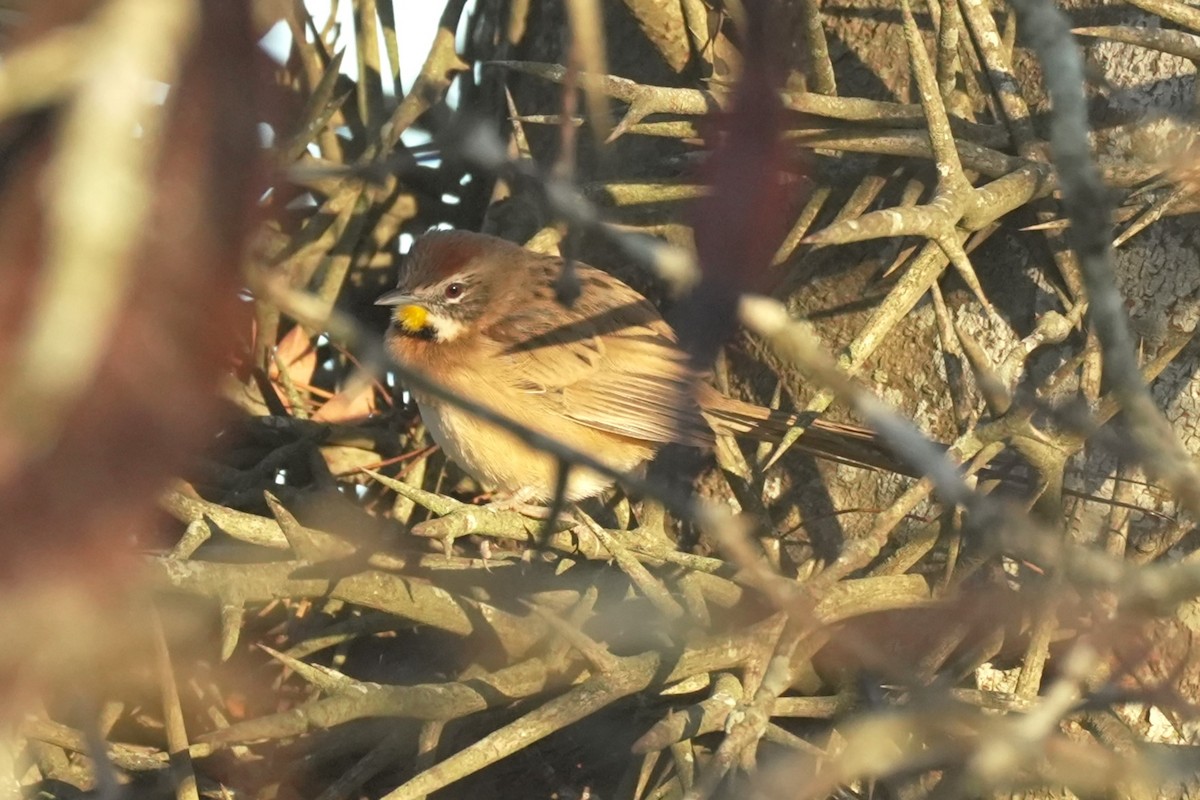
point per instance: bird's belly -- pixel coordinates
(500, 460)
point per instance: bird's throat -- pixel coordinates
(421, 323)
(413, 319)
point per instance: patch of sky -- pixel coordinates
(416, 26)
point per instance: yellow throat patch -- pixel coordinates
(412, 318)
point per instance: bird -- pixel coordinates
(604, 374)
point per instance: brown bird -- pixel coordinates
(606, 375)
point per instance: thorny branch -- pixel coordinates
(308, 533)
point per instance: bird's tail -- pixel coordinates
(849, 444)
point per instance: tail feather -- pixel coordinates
(849, 444)
(841, 442)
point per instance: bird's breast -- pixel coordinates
(501, 459)
(493, 455)
(415, 352)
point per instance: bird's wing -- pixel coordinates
(609, 361)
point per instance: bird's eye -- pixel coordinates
(454, 291)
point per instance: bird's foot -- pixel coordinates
(520, 502)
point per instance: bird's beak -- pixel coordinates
(396, 297)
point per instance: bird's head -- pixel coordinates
(446, 285)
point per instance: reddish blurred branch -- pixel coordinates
(114, 350)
